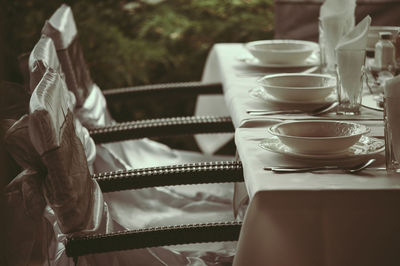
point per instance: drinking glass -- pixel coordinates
(350, 73)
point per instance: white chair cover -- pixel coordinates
(199, 202)
(75, 201)
(140, 208)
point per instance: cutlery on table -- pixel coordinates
(318, 111)
(352, 170)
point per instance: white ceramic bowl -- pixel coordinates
(298, 87)
(281, 51)
(318, 136)
(373, 34)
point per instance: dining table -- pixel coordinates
(310, 218)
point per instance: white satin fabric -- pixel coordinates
(275, 235)
(60, 20)
(154, 206)
(163, 205)
(214, 105)
(133, 209)
(101, 222)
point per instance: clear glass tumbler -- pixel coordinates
(350, 75)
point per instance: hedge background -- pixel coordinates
(140, 42)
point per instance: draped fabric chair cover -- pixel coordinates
(91, 104)
(42, 57)
(23, 205)
(194, 203)
(75, 201)
(147, 207)
(24, 202)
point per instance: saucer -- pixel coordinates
(312, 60)
(366, 146)
(261, 94)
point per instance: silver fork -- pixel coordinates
(318, 111)
(352, 170)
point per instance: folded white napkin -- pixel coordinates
(350, 55)
(356, 38)
(336, 20)
(337, 8)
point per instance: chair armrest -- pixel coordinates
(197, 173)
(153, 237)
(162, 127)
(179, 89)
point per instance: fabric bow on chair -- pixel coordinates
(75, 203)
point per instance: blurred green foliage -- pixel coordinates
(140, 42)
(136, 42)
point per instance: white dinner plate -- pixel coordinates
(261, 94)
(312, 60)
(366, 146)
(372, 102)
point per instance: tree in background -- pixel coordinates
(139, 42)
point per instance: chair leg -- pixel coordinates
(76, 261)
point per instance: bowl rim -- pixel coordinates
(364, 129)
(377, 29)
(262, 79)
(309, 45)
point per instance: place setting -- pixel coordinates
(337, 95)
(308, 96)
(313, 93)
(322, 140)
(277, 56)
(328, 142)
(327, 120)
(282, 53)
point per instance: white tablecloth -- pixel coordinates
(310, 235)
(254, 158)
(225, 64)
(300, 232)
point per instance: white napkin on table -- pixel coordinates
(350, 53)
(356, 38)
(337, 19)
(337, 8)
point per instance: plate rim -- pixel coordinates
(334, 156)
(259, 64)
(276, 100)
(376, 108)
